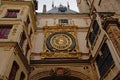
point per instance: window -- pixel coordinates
(30, 33)
(13, 72)
(94, 33)
(117, 77)
(63, 21)
(99, 2)
(27, 21)
(23, 37)
(105, 61)
(4, 31)
(62, 9)
(95, 27)
(22, 76)
(91, 37)
(27, 49)
(11, 14)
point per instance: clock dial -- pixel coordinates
(60, 41)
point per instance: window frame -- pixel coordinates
(11, 13)
(5, 31)
(63, 21)
(13, 71)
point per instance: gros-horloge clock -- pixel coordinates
(60, 42)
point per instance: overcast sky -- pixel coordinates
(72, 3)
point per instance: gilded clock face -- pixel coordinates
(60, 41)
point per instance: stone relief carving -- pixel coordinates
(59, 71)
(114, 34)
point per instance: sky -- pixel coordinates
(48, 3)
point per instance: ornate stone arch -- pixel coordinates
(73, 73)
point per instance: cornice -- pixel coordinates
(68, 15)
(60, 61)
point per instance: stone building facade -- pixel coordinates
(103, 36)
(60, 44)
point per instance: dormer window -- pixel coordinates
(62, 8)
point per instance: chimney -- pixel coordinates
(44, 8)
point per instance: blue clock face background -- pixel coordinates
(60, 42)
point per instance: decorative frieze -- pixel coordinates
(22, 10)
(14, 31)
(58, 55)
(114, 34)
(7, 48)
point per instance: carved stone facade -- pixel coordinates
(80, 71)
(62, 45)
(114, 34)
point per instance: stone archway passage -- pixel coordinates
(59, 73)
(60, 78)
